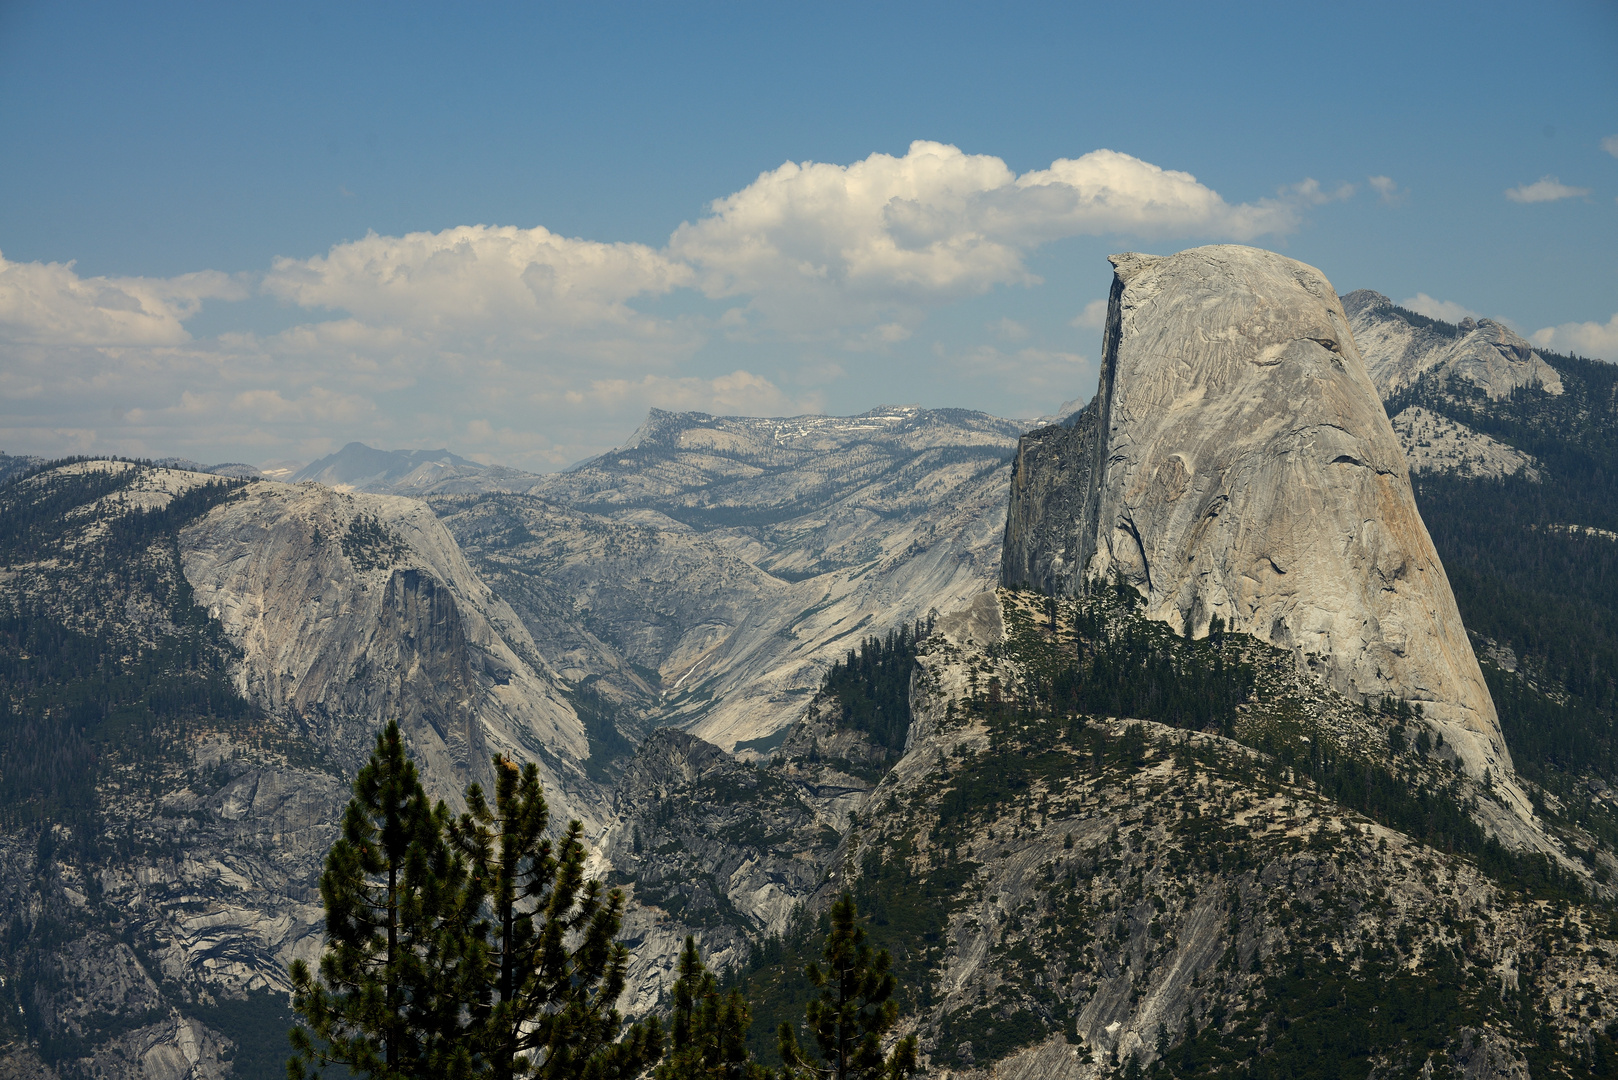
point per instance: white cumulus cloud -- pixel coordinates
(1108, 192)
(49, 303)
(524, 282)
(1443, 310)
(1593, 339)
(1610, 145)
(811, 241)
(1545, 189)
(535, 348)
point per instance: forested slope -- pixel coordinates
(159, 834)
(1534, 566)
(1251, 880)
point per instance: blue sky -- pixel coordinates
(510, 229)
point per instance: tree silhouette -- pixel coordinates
(464, 949)
(387, 1001)
(709, 1031)
(854, 1010)
(545, 968)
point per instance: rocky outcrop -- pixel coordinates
(1434, 443)
(1400, 348)
(713, 847)
(353, 609)
(1050, 527)
(1250, 474)
(1057, 905)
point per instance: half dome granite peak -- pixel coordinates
(1237, 463)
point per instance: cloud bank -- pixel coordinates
(530, 283)
(526, 346)
(48, 303)
(1593, 339)
(885, 238)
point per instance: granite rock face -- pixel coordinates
(713, 847)
(1250, 474)
(190, 873)
(1105, 909)
(1400, 349)
(1434, 443)
(351, 609)
(1050, 527)
(707, 574)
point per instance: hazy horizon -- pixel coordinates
(242, 235)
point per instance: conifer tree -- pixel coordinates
(708, 1031)
(545, 968)
(463, 950)
(854, 1010)
(387, 1001)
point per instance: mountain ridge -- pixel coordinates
(360, 467)
(1063, 880)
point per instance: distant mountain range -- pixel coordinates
(192, 659)
(707, 573)
(357, 467)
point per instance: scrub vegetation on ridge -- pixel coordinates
(1309, 829)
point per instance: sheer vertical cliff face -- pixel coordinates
(1249, 472)
(1050, 532)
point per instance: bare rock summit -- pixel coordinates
(1400, 347)
(1244, 469)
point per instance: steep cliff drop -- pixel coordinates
(1246, 470)
(1050, 527)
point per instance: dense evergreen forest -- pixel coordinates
(13, 465)
(1120, 665)
(81, 682)
(1534, 566)
(1107, 660)
(871, 686)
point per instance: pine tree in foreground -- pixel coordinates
(463, 950)
(387, 1000)
(545, 965)
(854, 1010)
(708, 1031)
